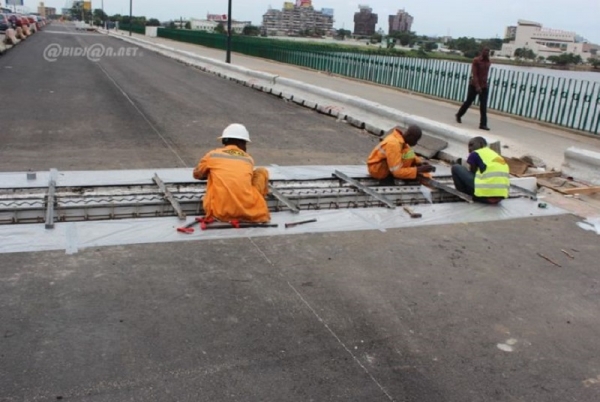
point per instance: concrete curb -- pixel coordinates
(582, 164)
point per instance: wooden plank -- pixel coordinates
(550, 185)
(582, 190)
(516, 166)
(543, 175)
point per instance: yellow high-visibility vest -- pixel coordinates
(495, 181)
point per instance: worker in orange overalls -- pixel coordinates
(235, 190)
(394, 158)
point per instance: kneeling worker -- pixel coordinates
(235, 190)
(394, 158)
(487, 179)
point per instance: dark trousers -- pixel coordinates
(471, 95)
(464, 180)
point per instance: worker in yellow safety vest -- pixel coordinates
(487, 179)
(235, 190)
(394, 158)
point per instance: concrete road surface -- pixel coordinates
(448, 313)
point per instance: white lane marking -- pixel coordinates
(143, 115)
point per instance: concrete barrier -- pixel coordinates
(582, 164)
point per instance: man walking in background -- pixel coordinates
(478, 86)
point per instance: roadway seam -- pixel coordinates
(143, 116)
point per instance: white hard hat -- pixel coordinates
(237, 131)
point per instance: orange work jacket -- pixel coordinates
(230, 193)
(393, 156)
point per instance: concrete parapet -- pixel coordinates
(582, 164)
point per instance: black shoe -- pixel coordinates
(458, 120)
(486, 128)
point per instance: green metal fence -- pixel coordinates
(138, 29)
(565, 102)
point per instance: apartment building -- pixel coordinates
(365, 21)
(401, 22)
(294, 19)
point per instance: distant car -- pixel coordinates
(4, 22)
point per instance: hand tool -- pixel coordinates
(201, 220)
(292, 224)
(235, 224)
(188, 228)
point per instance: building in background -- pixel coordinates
(213, 20)
(544, 42)
(401, 22)
(364, 21)
(510, 33)
(46, 11)
(297, 19)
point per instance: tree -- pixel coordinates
(405, 38)
(376, 38)
(524, 53)
(251, 30)
(79, 13)
(565, 59)
(343, 33)
(99, 16)
(188, 25)
(595, 62)
(468, 46)
(220, 29)
(541, 59)
(430, 46)
(153, 22)
(492, 44)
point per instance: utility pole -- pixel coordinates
(130, 16)
(103, 15)
(228, 57)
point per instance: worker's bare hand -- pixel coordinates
(425, 169)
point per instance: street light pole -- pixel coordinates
(228, 57)
(130, 16)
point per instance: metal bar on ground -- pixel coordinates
(293, 207)
(50, 199)
(169, 196)
(364, 189)
(440, 186)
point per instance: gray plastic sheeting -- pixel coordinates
(75, 236)
(171, 176)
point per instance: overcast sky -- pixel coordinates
(477, 18)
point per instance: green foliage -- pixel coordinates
(565, 59)
(78, 13)
(343, 33)
(405, 38)
(220, 28)
(524, 53)
(99, 16)
(376, 38)
(429, 46)
(153, 22)
(251, 30)
(595, 62)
